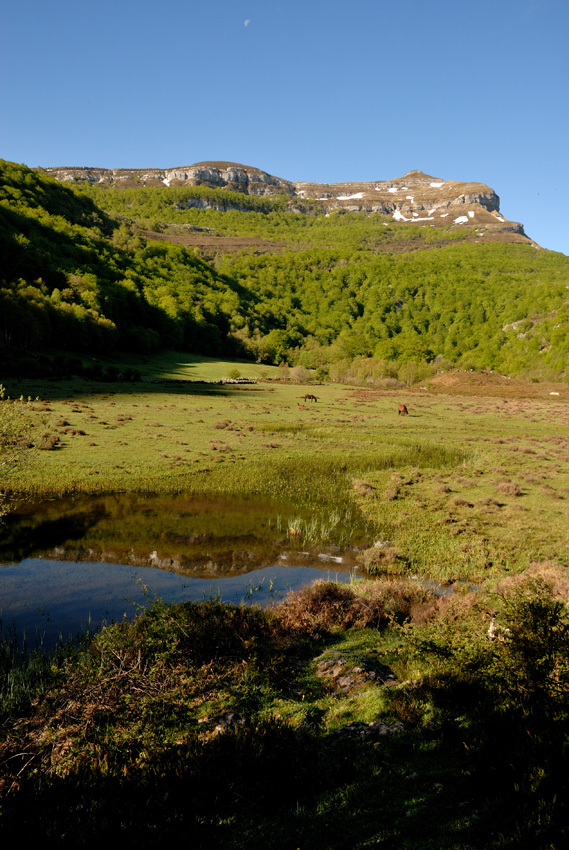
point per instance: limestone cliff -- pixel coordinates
(217, 175)
(415, 198)
(418, 198)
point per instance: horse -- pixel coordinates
(402, 410)
(310, 397)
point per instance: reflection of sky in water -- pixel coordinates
(49, 598)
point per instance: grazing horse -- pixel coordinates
(310, 397)
(402, 410)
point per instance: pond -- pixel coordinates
(75, 563)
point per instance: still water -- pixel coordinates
(67, 565)
(48, 599)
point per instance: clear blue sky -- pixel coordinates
(317, 90)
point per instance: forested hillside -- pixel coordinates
(74, 278)
(92, 269)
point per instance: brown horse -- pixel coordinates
(310, 397)
(402, 410)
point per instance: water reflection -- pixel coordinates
(69, 561)
(194, 535)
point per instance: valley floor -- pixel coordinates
(377, 714)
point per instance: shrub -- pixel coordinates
(327, 605)
(129, 374)
(321, 606)
(507, 700)
(198, 632)
(299, 374)
(48, 442)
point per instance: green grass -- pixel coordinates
(128, 736)
(461, 488)
(192, 367)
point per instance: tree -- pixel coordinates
(299, 374)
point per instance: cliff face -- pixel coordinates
(419, 198)
(416, 197)
(217, 175)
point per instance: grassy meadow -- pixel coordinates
(374, 714)
(462, 487)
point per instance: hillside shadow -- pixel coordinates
(53, 375)
(45, 252)
(335, 796)
(63, 281)
(56, 390)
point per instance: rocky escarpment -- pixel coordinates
(216, 175)
(416, 197)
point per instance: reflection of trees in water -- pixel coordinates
(187, 533)
(29, 535)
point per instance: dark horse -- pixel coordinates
(310, 397)
(402, 410)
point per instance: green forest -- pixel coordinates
(89, 270)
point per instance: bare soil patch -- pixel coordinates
(212, 243)
(494, 384)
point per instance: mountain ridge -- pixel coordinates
(415, 197)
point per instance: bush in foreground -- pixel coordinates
(169, 728)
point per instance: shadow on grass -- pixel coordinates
(55, 390)
(268, 786)
(54, 376)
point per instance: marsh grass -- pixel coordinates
(28, 670)
(434, 478)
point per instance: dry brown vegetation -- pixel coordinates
(492, 384)
(210, 244)
(326, 606)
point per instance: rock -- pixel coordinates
(242, 178)
(228, 720)
(345, 683)
(416, 197)
(375, 729)
(346, 678)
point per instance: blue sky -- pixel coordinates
(316, 90)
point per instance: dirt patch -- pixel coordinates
(213, 243)
(494, 384)
(455, 382)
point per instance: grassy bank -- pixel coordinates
(371, 715)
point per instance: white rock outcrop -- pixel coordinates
(414, 197)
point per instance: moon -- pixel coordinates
(247, 22)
